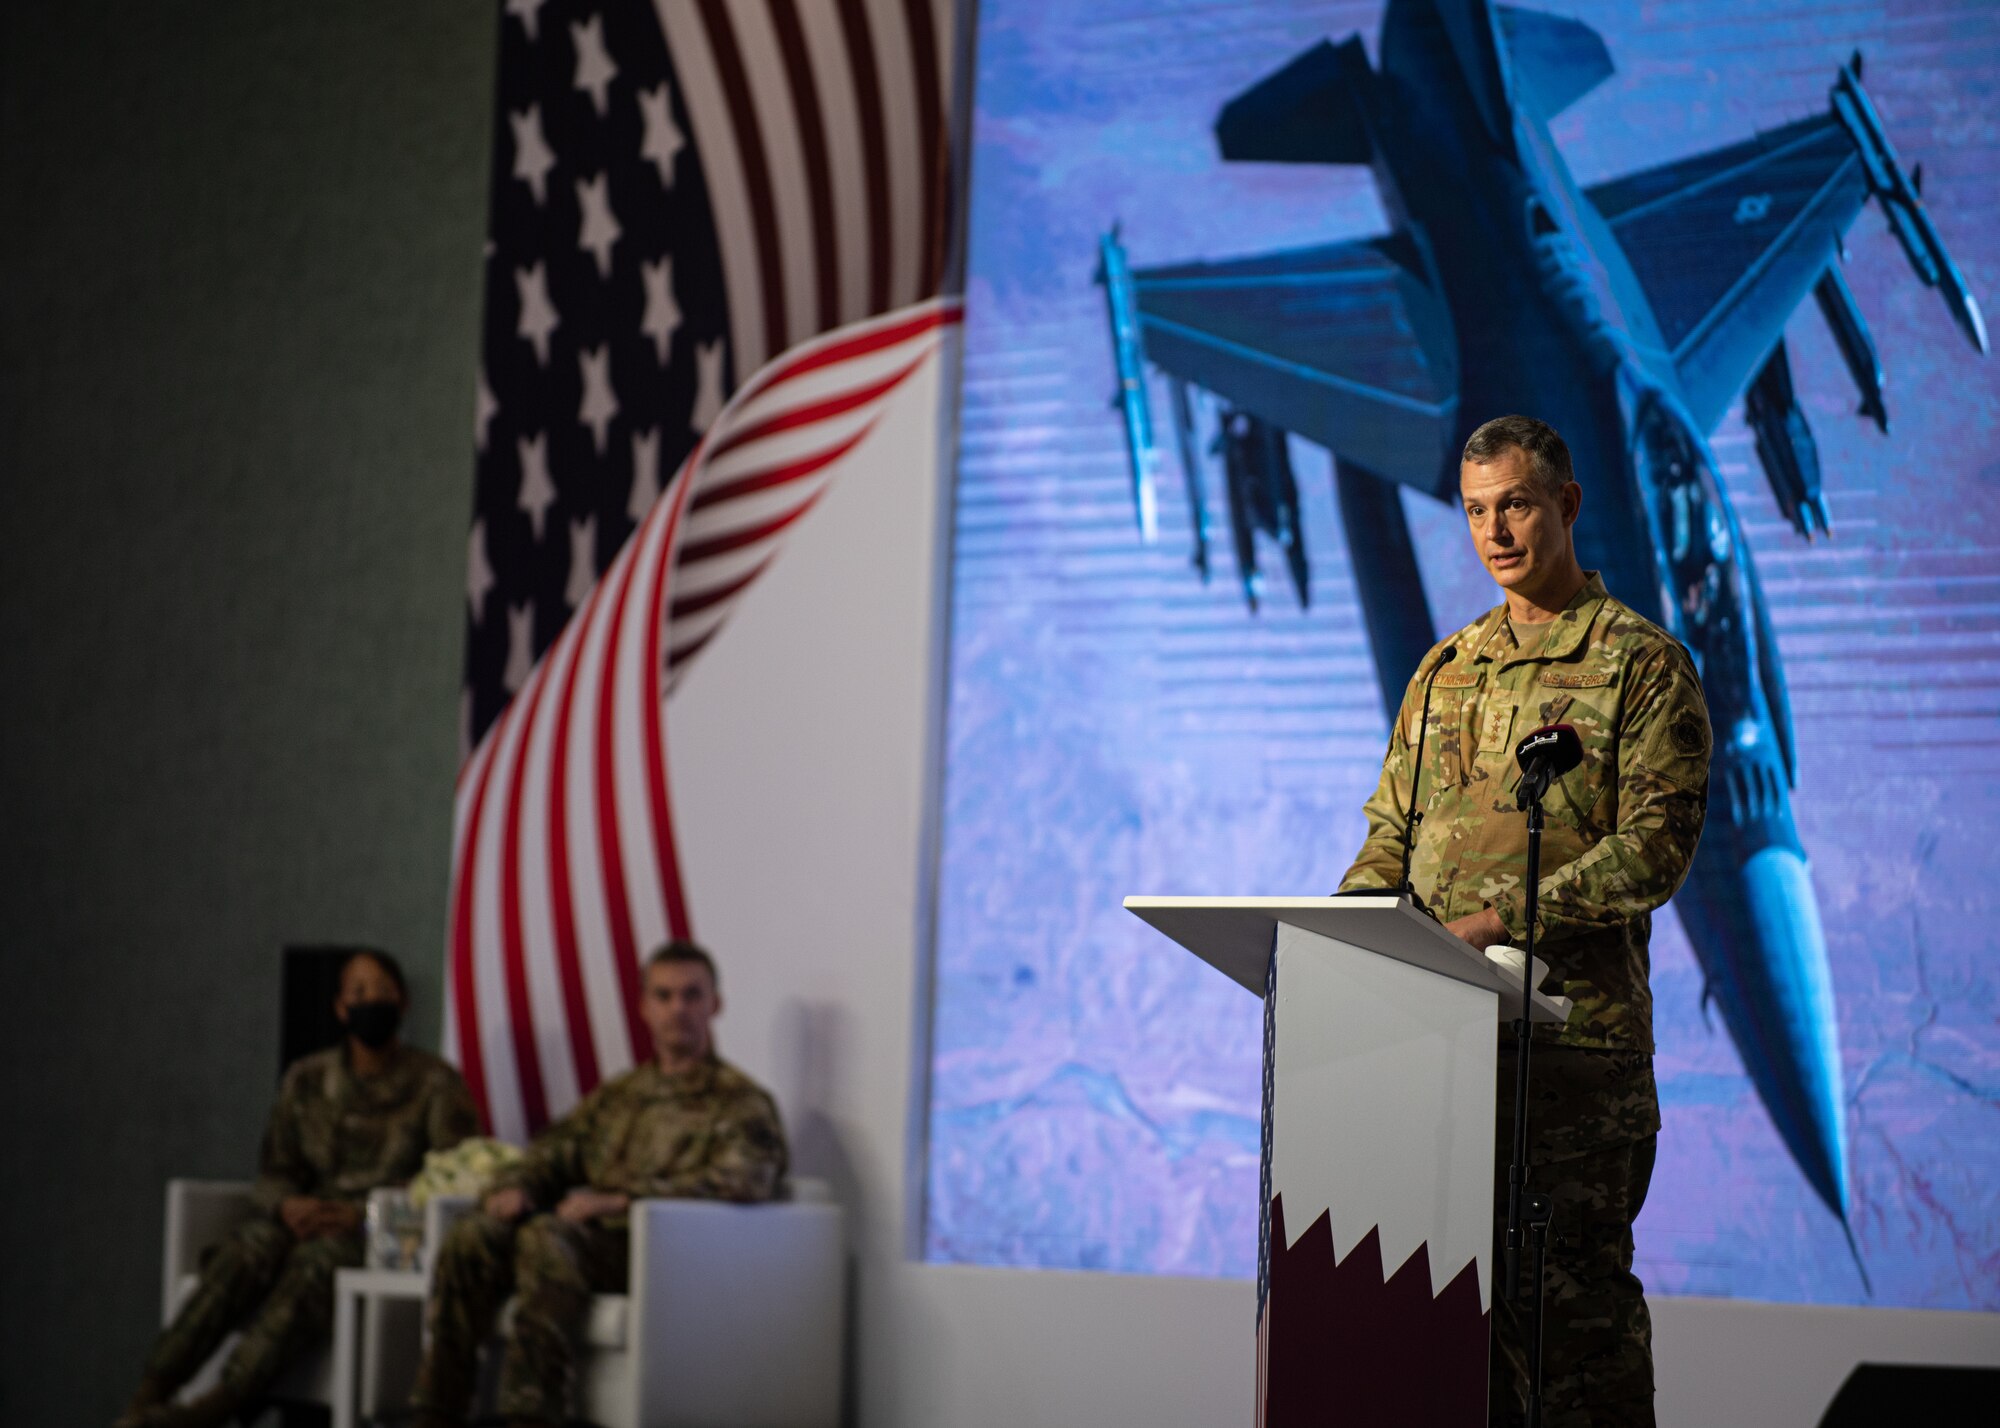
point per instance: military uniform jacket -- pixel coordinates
(709, 1132)
(337, 1136)
(1620, 828)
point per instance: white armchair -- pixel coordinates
(199, 1213)
(734, 1316)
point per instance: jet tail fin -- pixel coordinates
(1309, 112)
(1554, 60)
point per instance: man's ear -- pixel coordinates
(1572, 503)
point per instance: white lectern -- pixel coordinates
(1374, 1263)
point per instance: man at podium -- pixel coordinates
(1621, 831)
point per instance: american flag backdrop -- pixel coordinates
(719, 231)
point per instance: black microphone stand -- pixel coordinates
(1524, 1210)
(1413, 819)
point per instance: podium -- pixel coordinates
(1376, 1201)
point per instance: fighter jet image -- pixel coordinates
(1630, 316)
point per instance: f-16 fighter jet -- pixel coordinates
(1630, 316)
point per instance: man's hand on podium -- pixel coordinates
(1482, 928)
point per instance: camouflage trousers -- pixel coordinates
(550, 1267)
(277, 1289)
(1593, 1123)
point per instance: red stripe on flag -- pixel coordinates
(812, 146)
(812, 412)
(465, 998)
(610, 852)
(860, 44)
(756, 167)
(769, 478)
(943, 315)
(683, 653)
(750, 535)
(562, 908)
(686, 605)
(513, 957)
(656, 743)
(931, 136)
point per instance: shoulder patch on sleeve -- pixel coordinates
(1687, 732)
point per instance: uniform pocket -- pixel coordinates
(1585, 797)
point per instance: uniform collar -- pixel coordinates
(392, 1082)
(1496, 634)
(698, 1077)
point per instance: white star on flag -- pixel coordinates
(538, 315)
(479, 578)
(526, 11)
(645, 473)
(484, 410)
(664, 140)
(582, 561)
(663, 314)
(520, 647)
(599, 229)
(594, 69)
(538, 492)
(708, 385)
(533, 158)
(600, 403)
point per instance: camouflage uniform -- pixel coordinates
(334, 1136)
(1620, 833)
(707, 1133)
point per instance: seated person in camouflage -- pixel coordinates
(349, 1119)
(553, 1228)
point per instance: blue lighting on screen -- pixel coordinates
(1121, 721)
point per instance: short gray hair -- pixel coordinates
(1547, 453)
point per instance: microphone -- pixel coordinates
(1545, 755)
(1412, 819)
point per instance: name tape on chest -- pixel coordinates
(1578, 679)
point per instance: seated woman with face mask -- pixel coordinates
(360, 1115)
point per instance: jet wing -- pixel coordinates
(1349, 345)
(1728, 243)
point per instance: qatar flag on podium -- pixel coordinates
(720, 235)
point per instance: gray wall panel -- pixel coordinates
(239, 265)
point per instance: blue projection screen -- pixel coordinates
(1695, 234)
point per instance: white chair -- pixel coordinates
(734, 1316)
(199, 1213)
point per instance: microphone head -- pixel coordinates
(1552, 751)
(1450, 654)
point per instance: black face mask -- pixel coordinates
(374, 1024)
